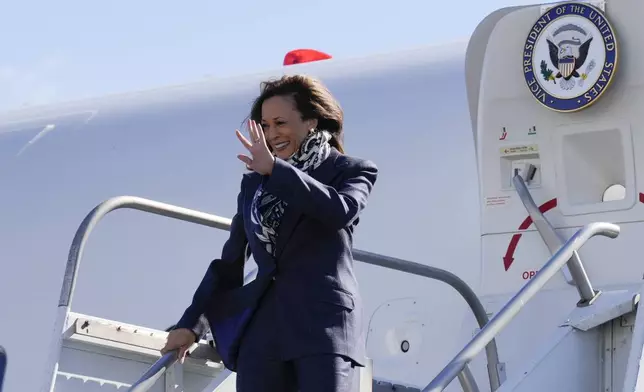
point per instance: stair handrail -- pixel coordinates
(574, 271)
(214, 221)
(548, 234)
(516, 304)
(76, 252)
(154, 372)
(150, 377)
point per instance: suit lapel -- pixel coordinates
(324, 174)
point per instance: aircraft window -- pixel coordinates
(614, 192)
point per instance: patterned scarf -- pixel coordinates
(267, 210)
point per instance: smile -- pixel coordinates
(281, 146)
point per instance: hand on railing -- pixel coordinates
(512, 308)
(179, 340)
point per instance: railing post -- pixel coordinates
(468, 383)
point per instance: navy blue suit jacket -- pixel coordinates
(312, 304)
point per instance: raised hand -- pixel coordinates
(261, 159)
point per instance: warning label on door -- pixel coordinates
(516, 150)
(494, 201)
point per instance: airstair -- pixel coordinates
(90, 353)
(599, 346)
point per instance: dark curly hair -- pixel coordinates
(312, 99)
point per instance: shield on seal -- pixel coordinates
(566, 66)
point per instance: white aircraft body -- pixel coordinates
(449, 127)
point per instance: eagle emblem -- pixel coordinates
(569, 56)
(568, 48)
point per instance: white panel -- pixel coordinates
(433, 334)
(622, 339)
(590, 158)
(634, 372)
(225, 384)
(571, 364)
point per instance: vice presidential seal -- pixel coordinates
(570, 57)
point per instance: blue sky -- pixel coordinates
(62, 50)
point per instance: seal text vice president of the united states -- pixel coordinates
(299, 325)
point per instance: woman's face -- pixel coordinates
(283, 126)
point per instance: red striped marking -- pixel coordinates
(508, 259)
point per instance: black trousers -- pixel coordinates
(319, 373)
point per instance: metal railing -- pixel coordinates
(155, 372)
(76, 252)
(548, 234)
(494, 368)
(574, 271)
(512, 308)
(201, 218)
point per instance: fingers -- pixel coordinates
(169, 346)
(246, 159)
(257, 133)
(182, 354)
(254, 146)
(252, 130)
(257, 130)
(181, 351)
(243, 140)
(260, 134)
